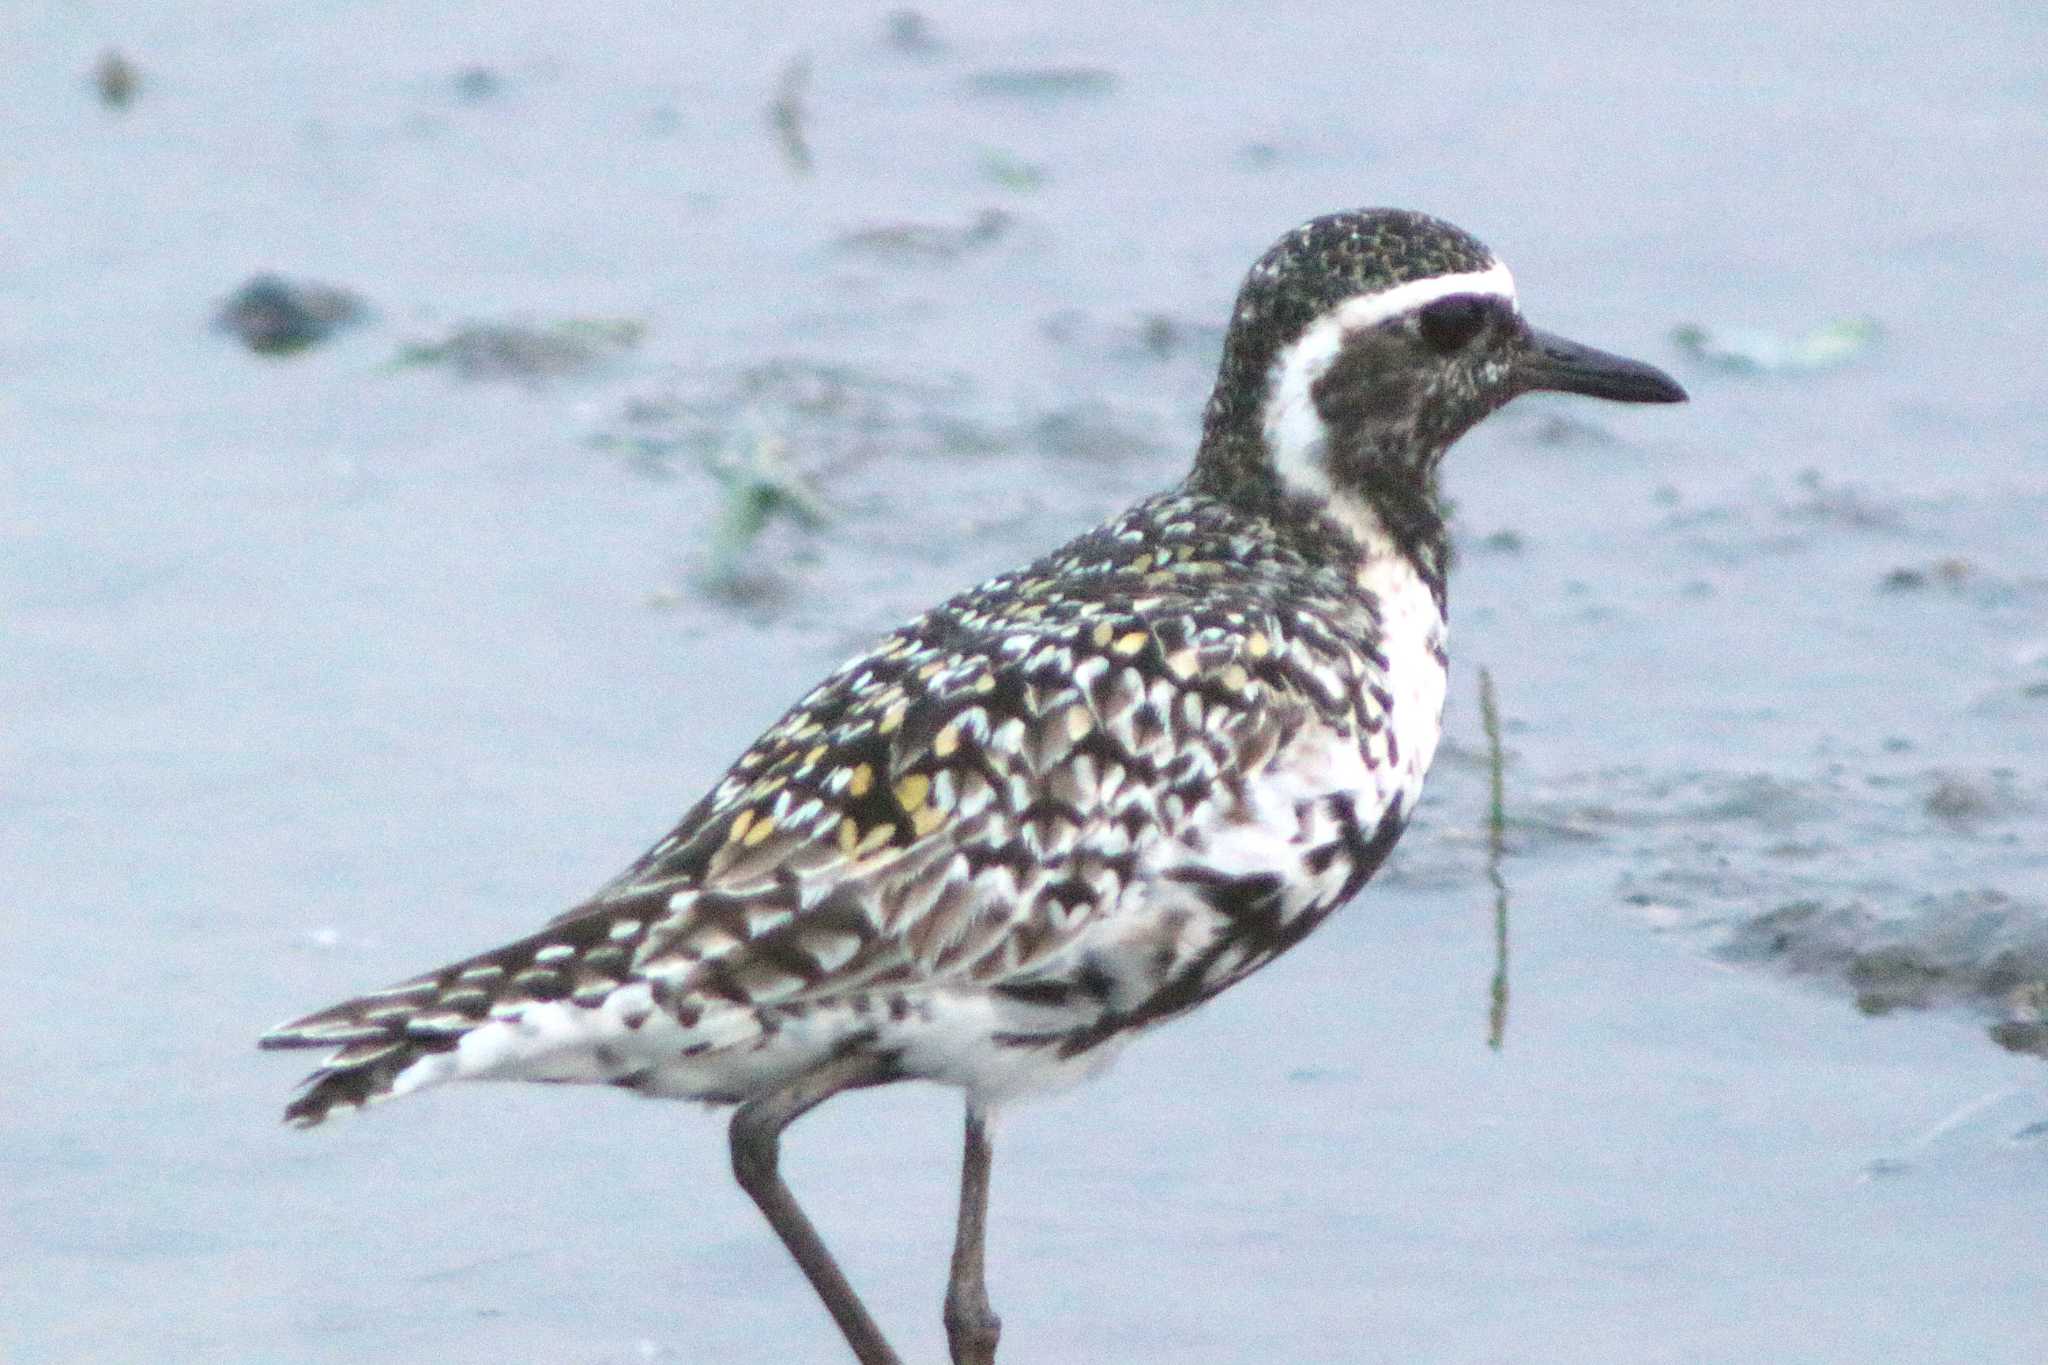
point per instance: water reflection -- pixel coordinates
(1496, 830)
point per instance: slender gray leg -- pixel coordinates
(756, 1146)
(972, 1328)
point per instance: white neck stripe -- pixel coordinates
(1293, 428)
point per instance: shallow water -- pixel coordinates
(320, 670)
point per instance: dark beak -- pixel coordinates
(1552, 364)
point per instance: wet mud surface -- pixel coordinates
(682, 356)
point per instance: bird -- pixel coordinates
(1062, 807)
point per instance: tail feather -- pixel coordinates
(355, 1077)
(380, 1035)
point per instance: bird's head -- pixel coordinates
(1363, 344)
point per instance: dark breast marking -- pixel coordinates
(1091, 982)
(1250, 909)
(1367, 851)
(1250, 906)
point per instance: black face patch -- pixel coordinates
(1409, 386)
(1449, 323)
(1370, 383)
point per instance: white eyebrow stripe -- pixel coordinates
(1368, 310)
(1294, 430)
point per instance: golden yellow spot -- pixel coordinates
(927, 819)
(849, 835)
(875, 838)
(811, 758)
(1103, 634)
(1130, 644)
(739, 827)
(1182, 662)
(1158, 579)
(1141, 564)
(931, 670)
(892, 718)
(861, 778)
(1235, 678)
(1079, 723)
(808, 729)
(760, 830)
(911, 790)
(946, 741)
(1257, 645)
(985, 683)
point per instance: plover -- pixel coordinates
(1063, 806)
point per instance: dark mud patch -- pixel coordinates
(533, 354)
(275, 315)
(927, 243)
(1901, 888)
(1042, 84)
(115, 80)
(1906, 888)
(1982, 949)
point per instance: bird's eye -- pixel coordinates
(1449, 323)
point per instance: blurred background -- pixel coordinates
(437, 439)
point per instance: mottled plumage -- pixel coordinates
(1066, 804)
(1054, 796)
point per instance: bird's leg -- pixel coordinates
(756, 1141)
(972, 1328)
